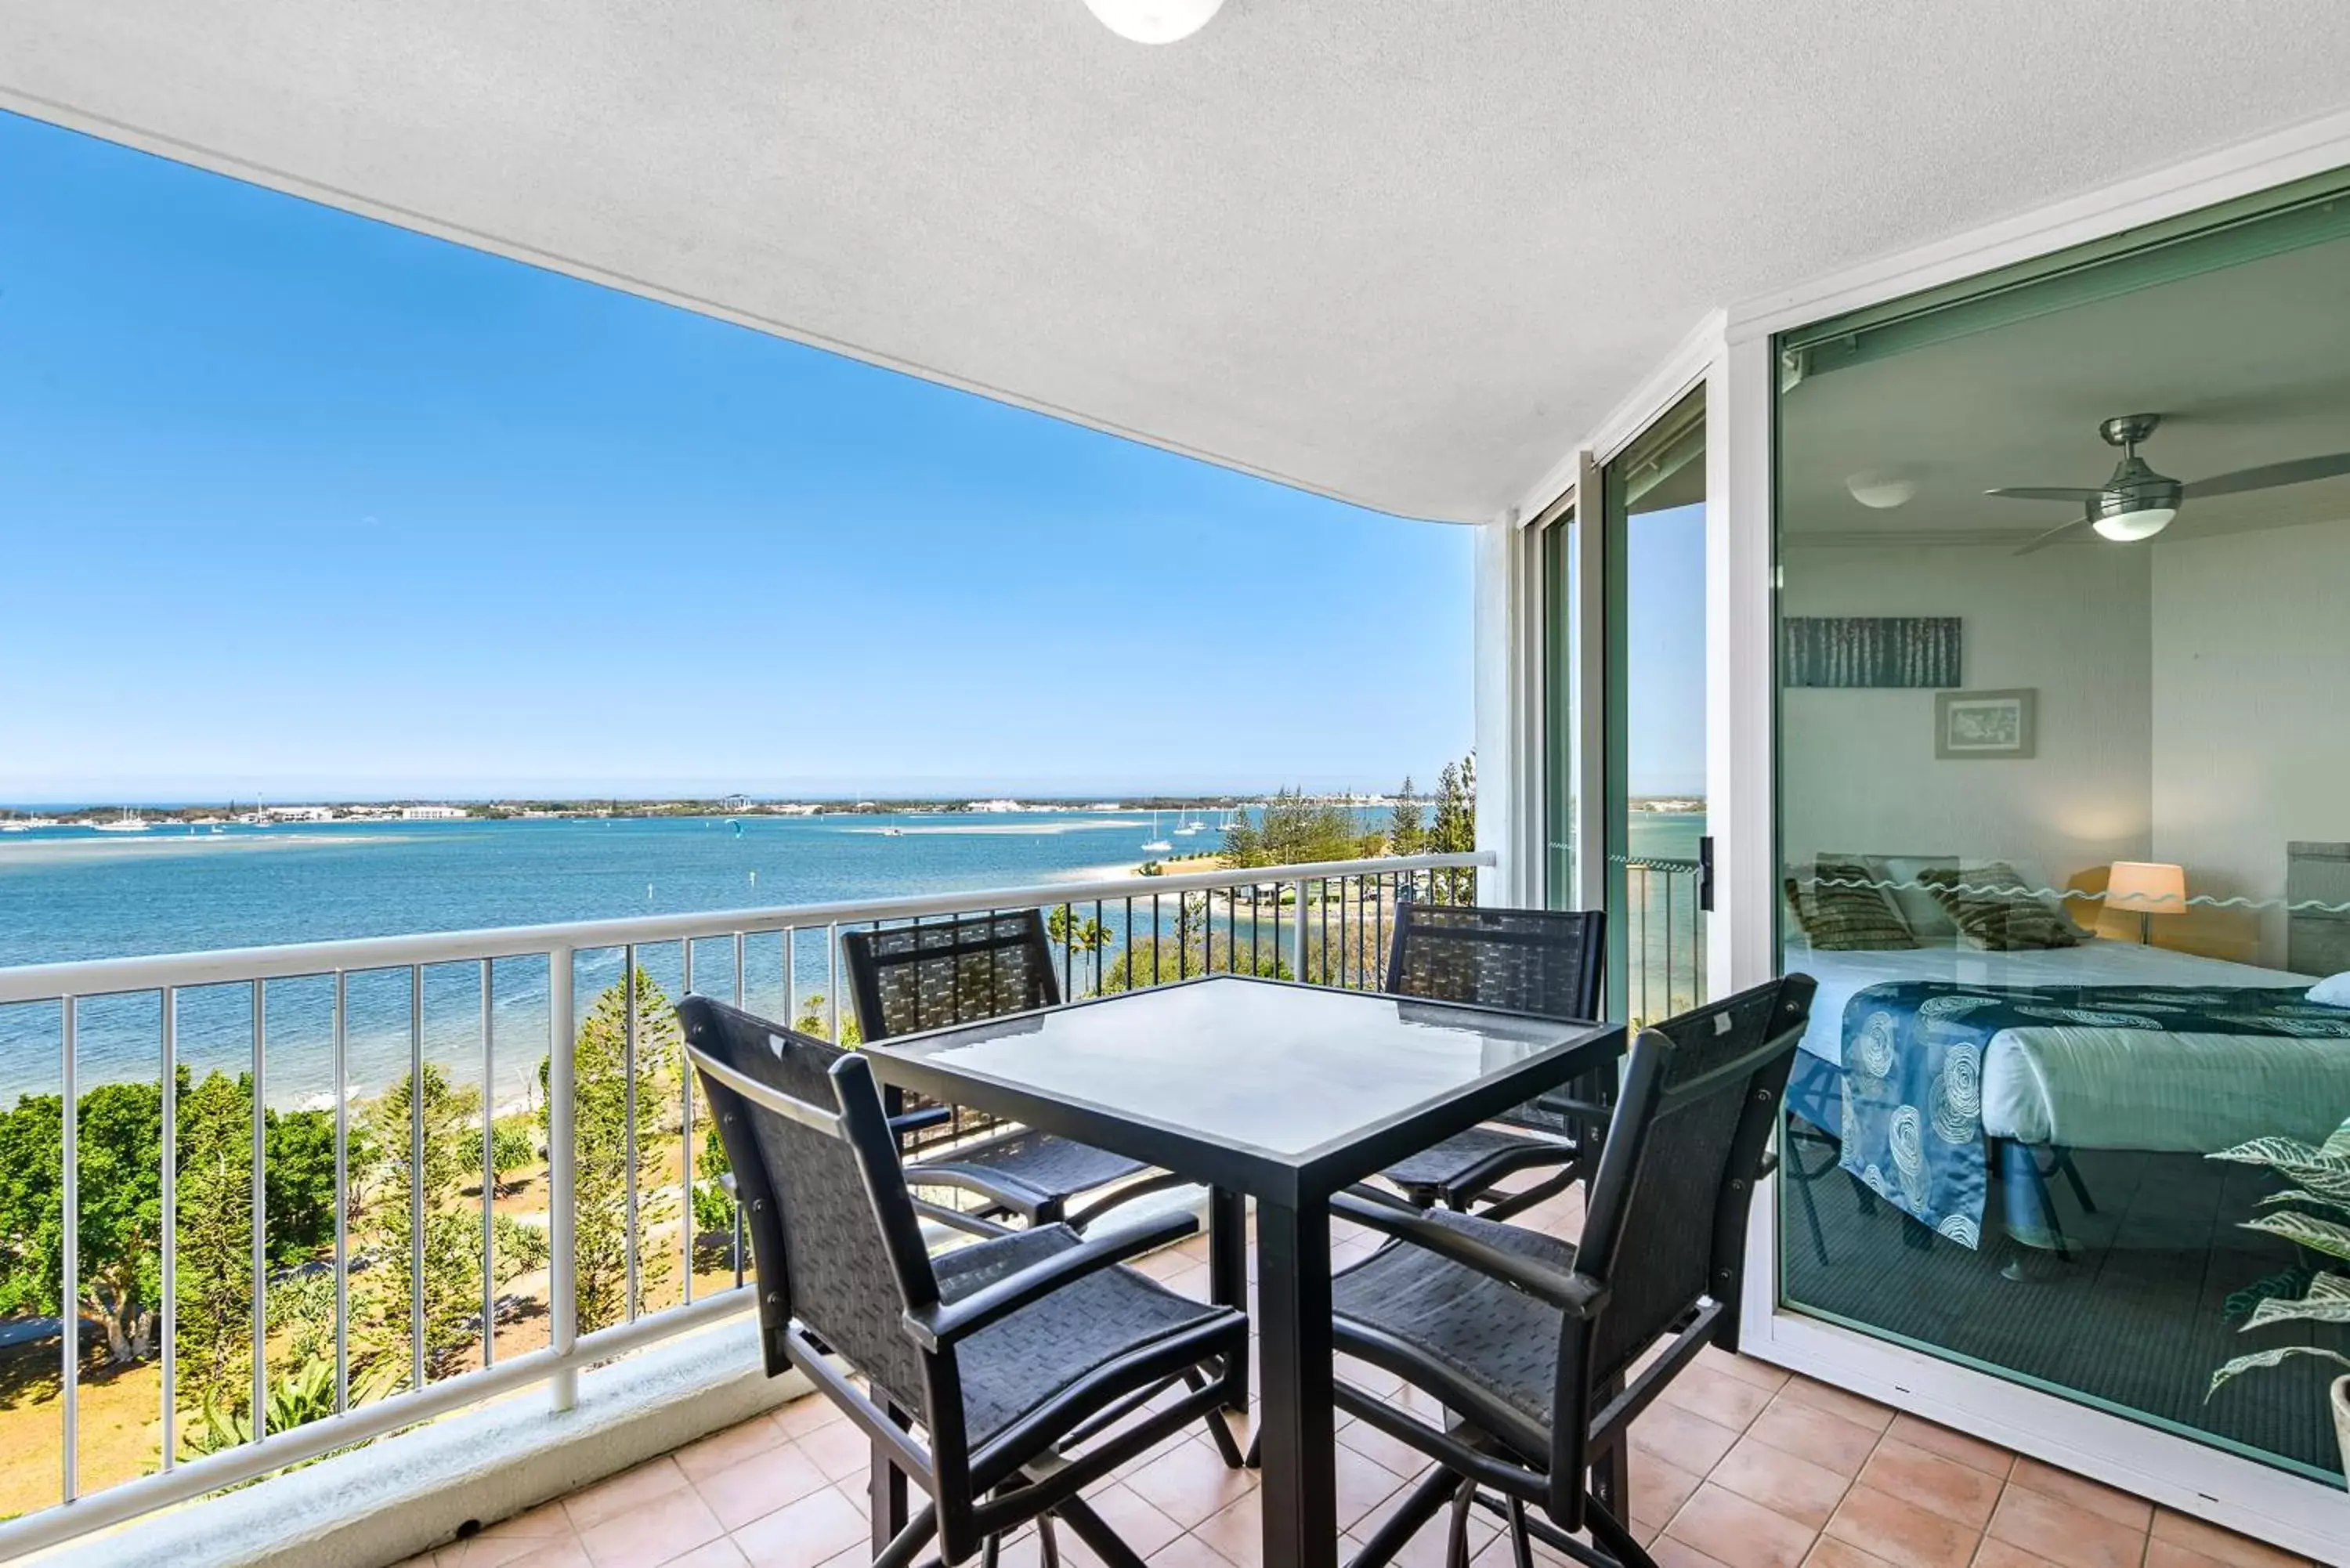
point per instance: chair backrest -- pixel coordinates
(1666, 1225)
(942, 972)
(1547, 961)
(833, 1230)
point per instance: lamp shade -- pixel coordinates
(2147, 888)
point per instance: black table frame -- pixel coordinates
(1293, 1221)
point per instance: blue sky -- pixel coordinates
(297, 503)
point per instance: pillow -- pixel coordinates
(2332, 992)
(1929, 924)
(1841, 911)
(1995, 908)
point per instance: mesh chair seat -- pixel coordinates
(1012, 1367)
(1465, 1156)
(1496, 1339)
(1032, 1169)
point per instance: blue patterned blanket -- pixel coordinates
(1912, 1077)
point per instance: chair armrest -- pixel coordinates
(944, 1323)
(921, 1121)
(1576, 1294)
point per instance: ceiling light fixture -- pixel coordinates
(1154, 21)
(1883, 489)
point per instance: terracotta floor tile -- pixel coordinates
(566, 1553)
(1363, 1485)
(1718, 1397)
(1728, 1527)
(630, 1489)
(2170, 1554)
(805, 1413)
(1189, 1483)
(1946, 1487)
(1834, 1553)
(1376, 1381)
(1997, 1554)
(2081, 1493)
(1376, 1445)
(1132, 1517)
(1971, 1452)
(759, 1484)
(805, 1533)
(841, 1450)
(1236, 1533)
(730, 1447)
(509, 1540)
(1860, 1412)
(2067, 1535)
(719, 1554)
(1811, 1433)
(1672, 1553)
(1803, 1491)
(1683, 1437)
(1745, 1368)
(1659, 1487)
(651, 1533)
(1900, 1532)
(2221, 1545)
(1189, 1551)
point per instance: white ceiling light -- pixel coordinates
(2129, 527)
(1883, 488)
(1154, 21)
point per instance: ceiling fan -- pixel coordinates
(2137, 503)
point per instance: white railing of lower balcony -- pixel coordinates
(389, 1198)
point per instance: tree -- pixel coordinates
(214, 1211)
(514, 1149)
(1295, 831)
(1149, 962)
(397, 1171)
(1454, 831)
(1075, 935)
(602, 1228)
(1405, 831)
(118, 1134)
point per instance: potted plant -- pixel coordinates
(2310, 1213)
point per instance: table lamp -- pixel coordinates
(2146, 888)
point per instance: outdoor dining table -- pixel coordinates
(1269, 1090)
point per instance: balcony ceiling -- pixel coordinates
(1401, 252)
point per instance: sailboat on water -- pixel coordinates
(1158, 844)
(127, 822)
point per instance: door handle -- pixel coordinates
(1705, 873)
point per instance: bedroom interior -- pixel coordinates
(2068, 899)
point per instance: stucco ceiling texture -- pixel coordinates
(1403, 251)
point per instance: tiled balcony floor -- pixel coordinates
(1739, 1466)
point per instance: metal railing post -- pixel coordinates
(69, 1260)
(1297, 936)
(562, 1175)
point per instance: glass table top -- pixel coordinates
(1282, 1069)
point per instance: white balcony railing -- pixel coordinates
(611, 1143)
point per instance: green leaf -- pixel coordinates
(2265, 1359)
(2337, 1146)
(2330, 1287)
(2275, 1151)
(2306, 1230)
(2328, 1184)
(2309, 1309)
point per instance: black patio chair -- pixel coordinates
(960, 970)
(992, 1369)
(1528, 1342)
(1528, 960)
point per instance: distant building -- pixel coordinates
(995, 805)
(431, 813)
(736, 803)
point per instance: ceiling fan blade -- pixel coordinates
(2042, 493)
(2300, 471)
(2055, 536)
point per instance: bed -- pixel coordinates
(1996, 1065)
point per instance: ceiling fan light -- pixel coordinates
(1154, 21)
(2129, 527)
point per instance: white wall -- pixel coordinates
(2252, 707)
(2072, 623)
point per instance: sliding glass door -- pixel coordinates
(2064, 830)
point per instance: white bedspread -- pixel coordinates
(2110, 1088)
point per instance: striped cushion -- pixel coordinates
(1841, 911)
(1996, 909)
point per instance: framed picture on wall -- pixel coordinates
(1985, 726)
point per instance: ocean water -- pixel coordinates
(69, 894)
